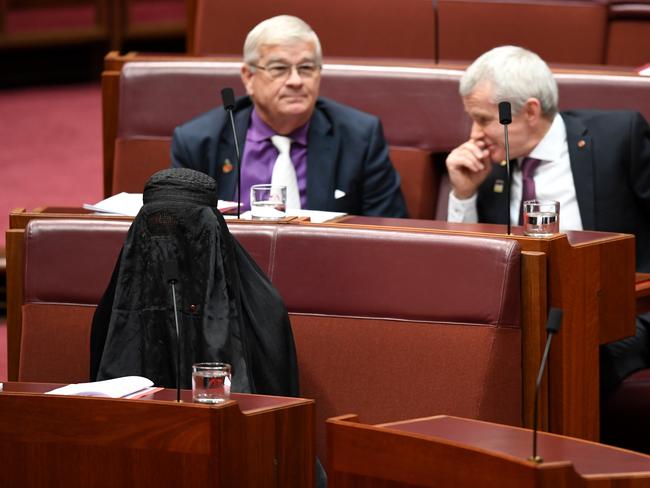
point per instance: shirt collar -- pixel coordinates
(551, 145)
(260, 131)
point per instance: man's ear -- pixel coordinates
(247, 79)
(532, 110)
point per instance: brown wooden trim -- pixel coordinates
(15, 272)
(110, 113)
(534, 311)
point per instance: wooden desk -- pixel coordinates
(253, 441)
(451, 451)
(590, 275)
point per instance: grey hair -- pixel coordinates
(515, 75)
(281, 29)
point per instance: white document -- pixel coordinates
(120, 204)
(115, 388)
(130, 203)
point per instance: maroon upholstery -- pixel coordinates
(361, 29)
(560, 31)
(412, 121)
(387, 324)
(134, 20)
(53, 246)
(49, 23)
(628, 39)
(625, 420)
(67, 268)
(419, 107)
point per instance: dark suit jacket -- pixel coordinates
(611, 171)
(346, 151)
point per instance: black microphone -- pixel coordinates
(505, 118)
(228, 99)
(170, 272)
(553, 324)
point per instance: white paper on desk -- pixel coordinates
(129, 204)
(115, 388)
(120, 204)
(315, 216)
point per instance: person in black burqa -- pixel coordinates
(228, 309)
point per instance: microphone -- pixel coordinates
(553, 324)
(170, 272)
(505, 118)
(228, 99)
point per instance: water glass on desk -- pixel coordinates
(268, 202)
(541, 218)
(211, 382)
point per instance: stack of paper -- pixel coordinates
(130, 203)
(123, 387)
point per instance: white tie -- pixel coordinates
(283, 171)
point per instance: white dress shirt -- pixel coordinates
(553, 181)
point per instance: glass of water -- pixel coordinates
(541, 218)
(211, 382)
(268, 202)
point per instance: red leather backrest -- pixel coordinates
(387, 324)
(628, 36)
(560, 31)
(317, 269)
(70, 261)
(419, 107)
(399, 275)
(377, 29)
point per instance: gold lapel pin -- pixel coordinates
(581, 144)
(498, 186)
(227, 166)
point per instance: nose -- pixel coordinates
(477, 131)
(294, 77)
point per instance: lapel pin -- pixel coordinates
(503, 163)
(581, 144)
(227, 166)
(498, 186)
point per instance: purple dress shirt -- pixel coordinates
(260, 155)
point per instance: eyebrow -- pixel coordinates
(285, 61)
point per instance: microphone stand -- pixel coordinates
(172, 283)
(228, 98)
(552, 326)
(171, 277)
(505, 118)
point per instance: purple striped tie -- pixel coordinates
(528, 167)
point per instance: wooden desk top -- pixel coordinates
(588, 458)
(248, 403)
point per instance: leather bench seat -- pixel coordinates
(420, 109)
(387, 324)
(628, 36)
(625, 421)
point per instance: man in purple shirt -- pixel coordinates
(339, 154)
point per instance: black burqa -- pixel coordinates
(228, 309)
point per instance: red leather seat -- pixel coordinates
(387, 324)
(560, 31)
(404, 29)
(628, 37)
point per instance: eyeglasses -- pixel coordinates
(279, 71)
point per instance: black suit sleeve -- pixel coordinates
(640, 160)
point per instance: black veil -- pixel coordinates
(228, 309)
